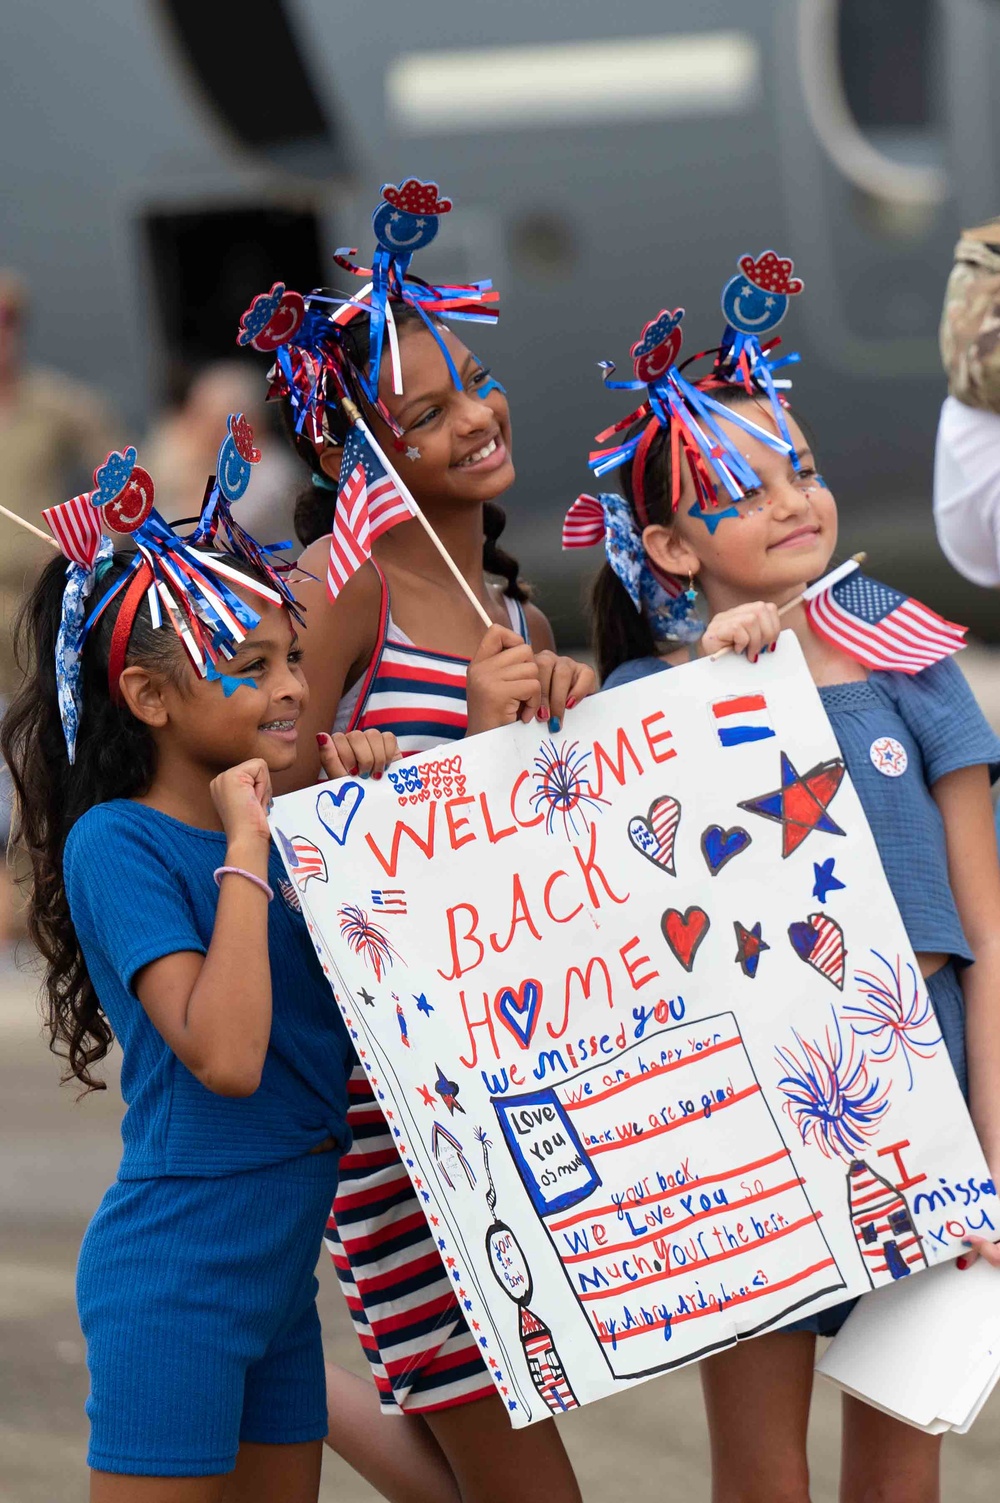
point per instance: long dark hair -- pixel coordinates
(620, 632)
(115, 758)
(314, 505)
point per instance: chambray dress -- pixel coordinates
(899, 734)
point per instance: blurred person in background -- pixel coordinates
(967, 456)
(183, 444)
(53, 431)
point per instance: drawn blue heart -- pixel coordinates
(336, 810)
(519, 1012)
(719, 846)
(803, 938)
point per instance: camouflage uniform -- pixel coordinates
(970, 319)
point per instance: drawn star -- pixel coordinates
(441, 1243)
(366, 998)
(422, 1004)
(412, 452)
(749, 948)
(448, 1091)
(825, 882)
(800, 804)
(426, 1095)
(712, 519)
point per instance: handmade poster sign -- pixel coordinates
(643, 1017)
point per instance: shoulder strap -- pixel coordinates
(518, 620)
(376, 657)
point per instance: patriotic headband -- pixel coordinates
(311, 366)
(754, 302)
(185, 586)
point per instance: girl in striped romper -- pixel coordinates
(402, 650)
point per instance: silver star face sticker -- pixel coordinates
(413, 452)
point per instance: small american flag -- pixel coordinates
(878, 626)
(368, 504)
(76, 527)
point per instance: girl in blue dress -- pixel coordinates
(920, 755)
(165, 920)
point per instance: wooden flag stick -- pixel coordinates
(789, 605)
(355, 416)
(30, 527)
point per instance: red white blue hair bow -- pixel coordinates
(661, 598)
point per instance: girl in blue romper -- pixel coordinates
(195, 1285)
(921, 757)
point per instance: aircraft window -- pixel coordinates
(886, 59)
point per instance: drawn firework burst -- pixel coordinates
(366, 939)
(893, 1013)
(561, 789)
(829, 1096)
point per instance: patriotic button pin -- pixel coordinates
(889, 757)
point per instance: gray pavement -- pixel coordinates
(57, 1156)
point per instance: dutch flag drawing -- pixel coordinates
(741, 718)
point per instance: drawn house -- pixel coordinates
(887, 1239)
(544, 1365)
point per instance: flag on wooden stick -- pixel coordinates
(369, 502)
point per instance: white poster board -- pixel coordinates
(638, 998)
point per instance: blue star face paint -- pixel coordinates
(229, 683)
(818, 480)
(490, 384)
(712, 519)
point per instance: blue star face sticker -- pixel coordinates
(711, 519)
(825, 882)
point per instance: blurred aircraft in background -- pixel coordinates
(163, 162)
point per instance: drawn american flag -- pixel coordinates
(369, 503)
(76, 527)
(877, 625)
(304, 859)
(389, 899)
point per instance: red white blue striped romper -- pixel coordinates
(422, 1354)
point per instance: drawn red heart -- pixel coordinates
(684, 932)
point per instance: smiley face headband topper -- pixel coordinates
(754, 303)
(302, 333)
(185, 587)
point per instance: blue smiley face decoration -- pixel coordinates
(756, 299)
(407, 218)
(236, 456)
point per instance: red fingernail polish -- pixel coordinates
(961, 1263)
(541, 713)
(570, 703)
(321, 738)
(376, 776)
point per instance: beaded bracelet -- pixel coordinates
(237, 871)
